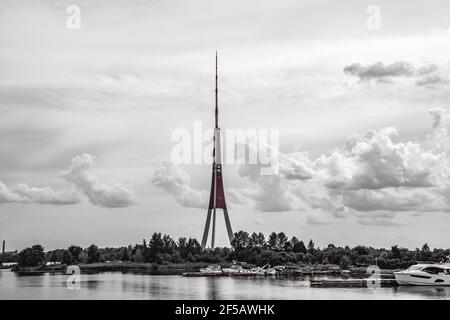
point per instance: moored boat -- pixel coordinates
(430, 274)
(212, 269)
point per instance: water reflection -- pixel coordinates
(116, 285)
(426, 292)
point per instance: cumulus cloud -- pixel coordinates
(176, 181)
(426, 75)
(272, 195)
(431, 81)
(117, 195)
(46, 195)
(379, 71)
(393, 199)
(373, 161)
(371, 177)
(296, 166)
(6, 195)
(427, 69)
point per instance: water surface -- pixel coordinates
(117, 285)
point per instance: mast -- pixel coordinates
(217, 99)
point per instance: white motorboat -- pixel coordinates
(430, 274)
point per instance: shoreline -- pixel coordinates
(180, 268)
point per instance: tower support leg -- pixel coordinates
(206, 231)
(213, 235)
(227, 222)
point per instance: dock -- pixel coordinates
(223, 274)
(353, 283)
(202, 274)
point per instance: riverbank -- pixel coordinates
(180, 268)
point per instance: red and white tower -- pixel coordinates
(217, 197)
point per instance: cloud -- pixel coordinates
(175, 181)
(426, 69)
(117, 195)
(380, 71)
(431, 81)
(379, 221)
(25, 194)
(371, 177)
(296, 166)
(47, 195)
(272, 195)
(373, 161)
(426, 75)
(318, 218)
(393, 199)
(6, 195)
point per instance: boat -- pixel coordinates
(257, 271)
(429, 274)
(288, 270)
(234, 269)
(268, 271)
(212, 269)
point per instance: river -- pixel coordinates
(117, 285)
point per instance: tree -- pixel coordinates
(67, 257)
(182, 247)
(137, 257)
(53, 256)
(169, 245)
(75, 253)
(311, 246)
(345, 262)
(155, 245)
(395, 252)
(93, 254)
(31, 257)
(298, 246)
(145, 251)
(83, 257)
(125, 256)
(240, 241)
(272, 243)
(194, 246)
(282, 242)
(257, 240)
(425, 253)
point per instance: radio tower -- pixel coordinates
(217, 197)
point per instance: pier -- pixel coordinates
(353, 283)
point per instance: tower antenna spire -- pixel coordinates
(217, 98)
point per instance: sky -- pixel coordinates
(358, 93)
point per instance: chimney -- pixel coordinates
(3, 248)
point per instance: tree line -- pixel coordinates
(251, 248)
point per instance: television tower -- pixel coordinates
(217, 196)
